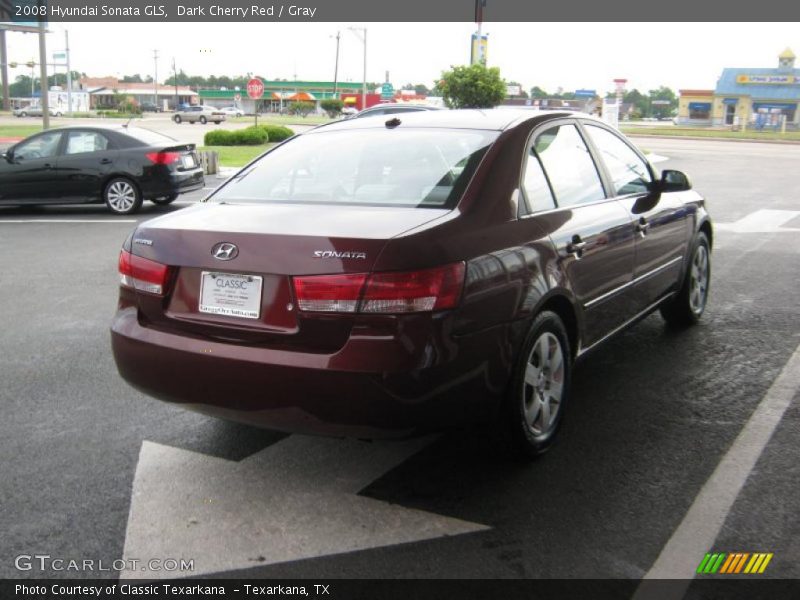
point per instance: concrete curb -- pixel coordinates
(711, 139)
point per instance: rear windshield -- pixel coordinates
(149, 138)
(374, 167)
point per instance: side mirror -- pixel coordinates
(674, 181)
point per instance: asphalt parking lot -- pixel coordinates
(93, 469)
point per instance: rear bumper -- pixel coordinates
(349, 393)
(173, 182)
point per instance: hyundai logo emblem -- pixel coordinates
(225, 251)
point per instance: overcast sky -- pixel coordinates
(550, 55)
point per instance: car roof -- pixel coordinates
(490, 119)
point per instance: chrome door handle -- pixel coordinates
(642, 226)
(576, 246)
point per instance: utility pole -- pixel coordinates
(4, 70)
(43, 75)
(69, 75)
(155, 78)
(336, 67)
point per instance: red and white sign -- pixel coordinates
(255, 88)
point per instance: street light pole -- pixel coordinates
(358, 32)
(336, 67)
(69, 75)
(175, 77)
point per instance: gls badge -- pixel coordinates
(335, 254)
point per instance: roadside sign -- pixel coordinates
(387, 91)
(237, 97)
(255, 88)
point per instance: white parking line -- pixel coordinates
(700, 527)
(2, 221)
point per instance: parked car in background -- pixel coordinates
(232, 111)
(349, 111)
(388, 277)
(121, 166)
(392, 109)
(150, 107)
(37, 111)
(199, 114)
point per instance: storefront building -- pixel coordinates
(277, 94)
(759, 97)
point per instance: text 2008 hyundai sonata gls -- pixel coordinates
(383, 278)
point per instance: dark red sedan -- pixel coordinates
(389, 277)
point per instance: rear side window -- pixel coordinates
(375, 167)
(80, 142)
(569, 166)
(629, 173)
(534, 183)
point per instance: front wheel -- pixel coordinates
(688, 306)
(122, 196)
(203, 120)
(177, 119)
(539, 389)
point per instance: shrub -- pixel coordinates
(252, 136)
(332, 106)
(277, 133)
(301, 108)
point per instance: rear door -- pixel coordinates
(87, 159)
(592, 233)
(660, 222)
(29, 177)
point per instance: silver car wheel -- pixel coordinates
(544, 384)
(698, 280)
(121, 196)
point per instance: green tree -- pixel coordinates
(132, 79)
(474, 86)
(301, 108)
(538, 93)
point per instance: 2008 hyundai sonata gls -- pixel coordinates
(383, 278)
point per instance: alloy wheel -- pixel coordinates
(698, 280)
(121, 196)
(544, 384)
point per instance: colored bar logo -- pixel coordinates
(728, 563)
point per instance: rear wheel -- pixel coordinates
(177, 119)
(688, 306)
(23, 114)
(203, 120)
(122, 196)
(539, 389)
(164, 200)
(217, 122)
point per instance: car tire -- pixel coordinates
(688, 306)
(203, 120)
(164, 200)
(23, 114)
(539, 390)
(217, 122)
(177, 119)
(121, 196)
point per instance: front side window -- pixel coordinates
(43, 146)
(79, 142)
(372, 167)
(629, 173)
(569, 166)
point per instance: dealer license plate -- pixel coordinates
(231, 294)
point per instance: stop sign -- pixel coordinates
(255, 88)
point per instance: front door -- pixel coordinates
(592, 233)
(28, 174)
(660, 221)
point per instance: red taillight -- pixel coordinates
(398, 292)
(329, 293)
(163, 158)
(142, 274)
